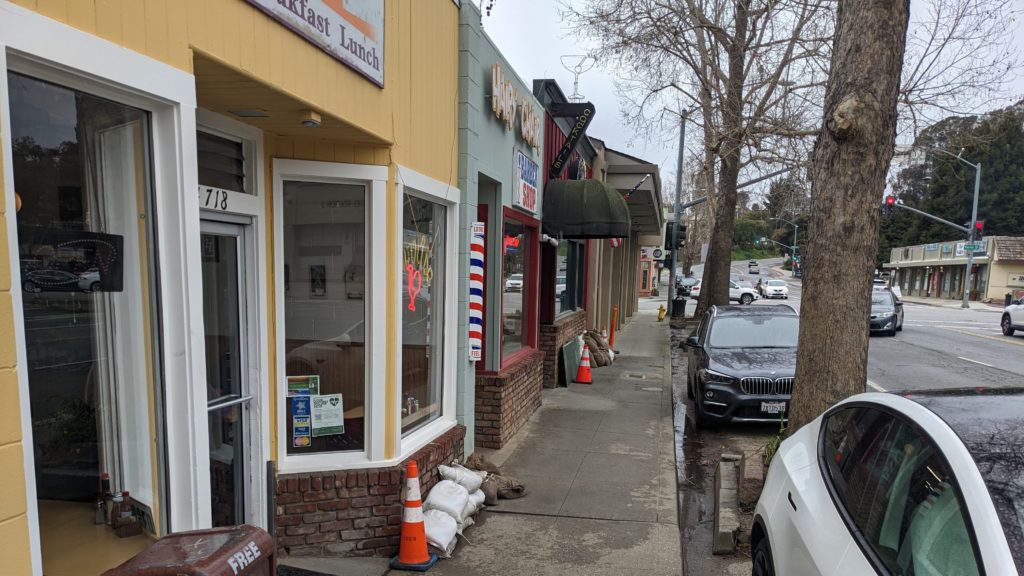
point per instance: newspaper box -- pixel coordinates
(233, 551)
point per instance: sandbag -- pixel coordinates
(448, 497)
(490, 490)
(597, 356)
(441, 531)
(478, 462)
(509, 488)
(477, 498)
(468, 479)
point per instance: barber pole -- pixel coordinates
(476, 292)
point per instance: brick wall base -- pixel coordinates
(552, 337)
(354, 512)
(505, 401)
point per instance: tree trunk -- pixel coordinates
(715, 283)
(851, 159)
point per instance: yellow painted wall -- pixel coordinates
(416, 109)
(13, 506)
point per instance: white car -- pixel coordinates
(775, 289)
(89, 280)
(924, 483)
(514, 283)
(1013, 317)
(737, 293)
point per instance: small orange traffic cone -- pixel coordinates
(583, 372)
(412, 550)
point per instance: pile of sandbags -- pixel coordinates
(450, 506)
(601, 353)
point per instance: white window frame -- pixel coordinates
(410, 182)
(375, 179)
(249, 210)
(47, 49)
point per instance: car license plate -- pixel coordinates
(773, 407)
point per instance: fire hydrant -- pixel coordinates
(661, 312)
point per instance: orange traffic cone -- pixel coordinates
(583, 372)
(412, 550)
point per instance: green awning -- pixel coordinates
(584, 209)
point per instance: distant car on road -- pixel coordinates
(685, 283)
(753, 267)
(49, 280)
(514, 283)
(886, 312)
(737, 293)
(1013, 317)
(924, 483)
(89, 281)
(775, 289)
(560, 285)
(741, 362)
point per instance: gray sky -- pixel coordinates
(532, 36)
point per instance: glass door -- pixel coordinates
(227, 391)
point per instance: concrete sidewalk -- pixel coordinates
(945, 303)
(598, 462)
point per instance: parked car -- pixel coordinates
(753, 267)
(775, 289)
(685, 284)
(886, 312)
(737, 293)
(740, 363)
(923, 483)
(89, 280)
(49, 280)
(514, 283)
(1013, 317)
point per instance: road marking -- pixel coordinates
(876, 387)
(975, 361)
(1005, 339)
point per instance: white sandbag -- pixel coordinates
(469, 521)
(468, 510)
(468, 479)
(477, 498)
(448, 497)
(441, 531)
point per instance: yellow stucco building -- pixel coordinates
(229, 259)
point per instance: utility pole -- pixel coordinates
(971, 233)
(678, 215)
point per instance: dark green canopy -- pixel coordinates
(584, 209)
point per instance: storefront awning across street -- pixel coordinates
(584, 209)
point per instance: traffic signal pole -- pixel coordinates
(970, 238)
(678, 216)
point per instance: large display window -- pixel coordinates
(83, 184)
(519, 278)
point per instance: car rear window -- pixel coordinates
(776, 283)
(754, 331)
(881, 298)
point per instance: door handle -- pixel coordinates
(227, 403)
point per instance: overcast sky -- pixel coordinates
(532, 36)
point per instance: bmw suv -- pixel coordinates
(740, 364)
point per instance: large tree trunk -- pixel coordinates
(851, 159)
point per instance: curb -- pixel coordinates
(727, 523)
(678, 432)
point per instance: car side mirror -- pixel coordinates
(692, 342)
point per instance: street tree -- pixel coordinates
(851, 158)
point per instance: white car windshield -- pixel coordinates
(776, 283)
(881, 299)
(754, 332)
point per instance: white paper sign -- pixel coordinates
(328, 415)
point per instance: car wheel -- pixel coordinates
(891, 333)
(899, 327)
(1006, 325)
(762, 559)
(689, 386)
(746, 299)
(94, 287)
(700, 421)
(30, 286)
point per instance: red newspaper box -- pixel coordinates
(233, 551)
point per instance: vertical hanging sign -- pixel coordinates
(476, 291)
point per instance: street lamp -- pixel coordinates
(796, 228)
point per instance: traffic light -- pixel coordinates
(979, 229)
(668, 235)
(890, 201)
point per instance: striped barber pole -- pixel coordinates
(476, 292)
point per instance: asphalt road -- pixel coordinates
(938, 348)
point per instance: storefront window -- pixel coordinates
(569, 272)
(516, 275)
(85, 238)
(324, 238)
(422, 289)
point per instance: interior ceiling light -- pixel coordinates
(250, 113)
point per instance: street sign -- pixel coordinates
(972, 247)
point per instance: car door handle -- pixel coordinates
(791, 503)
